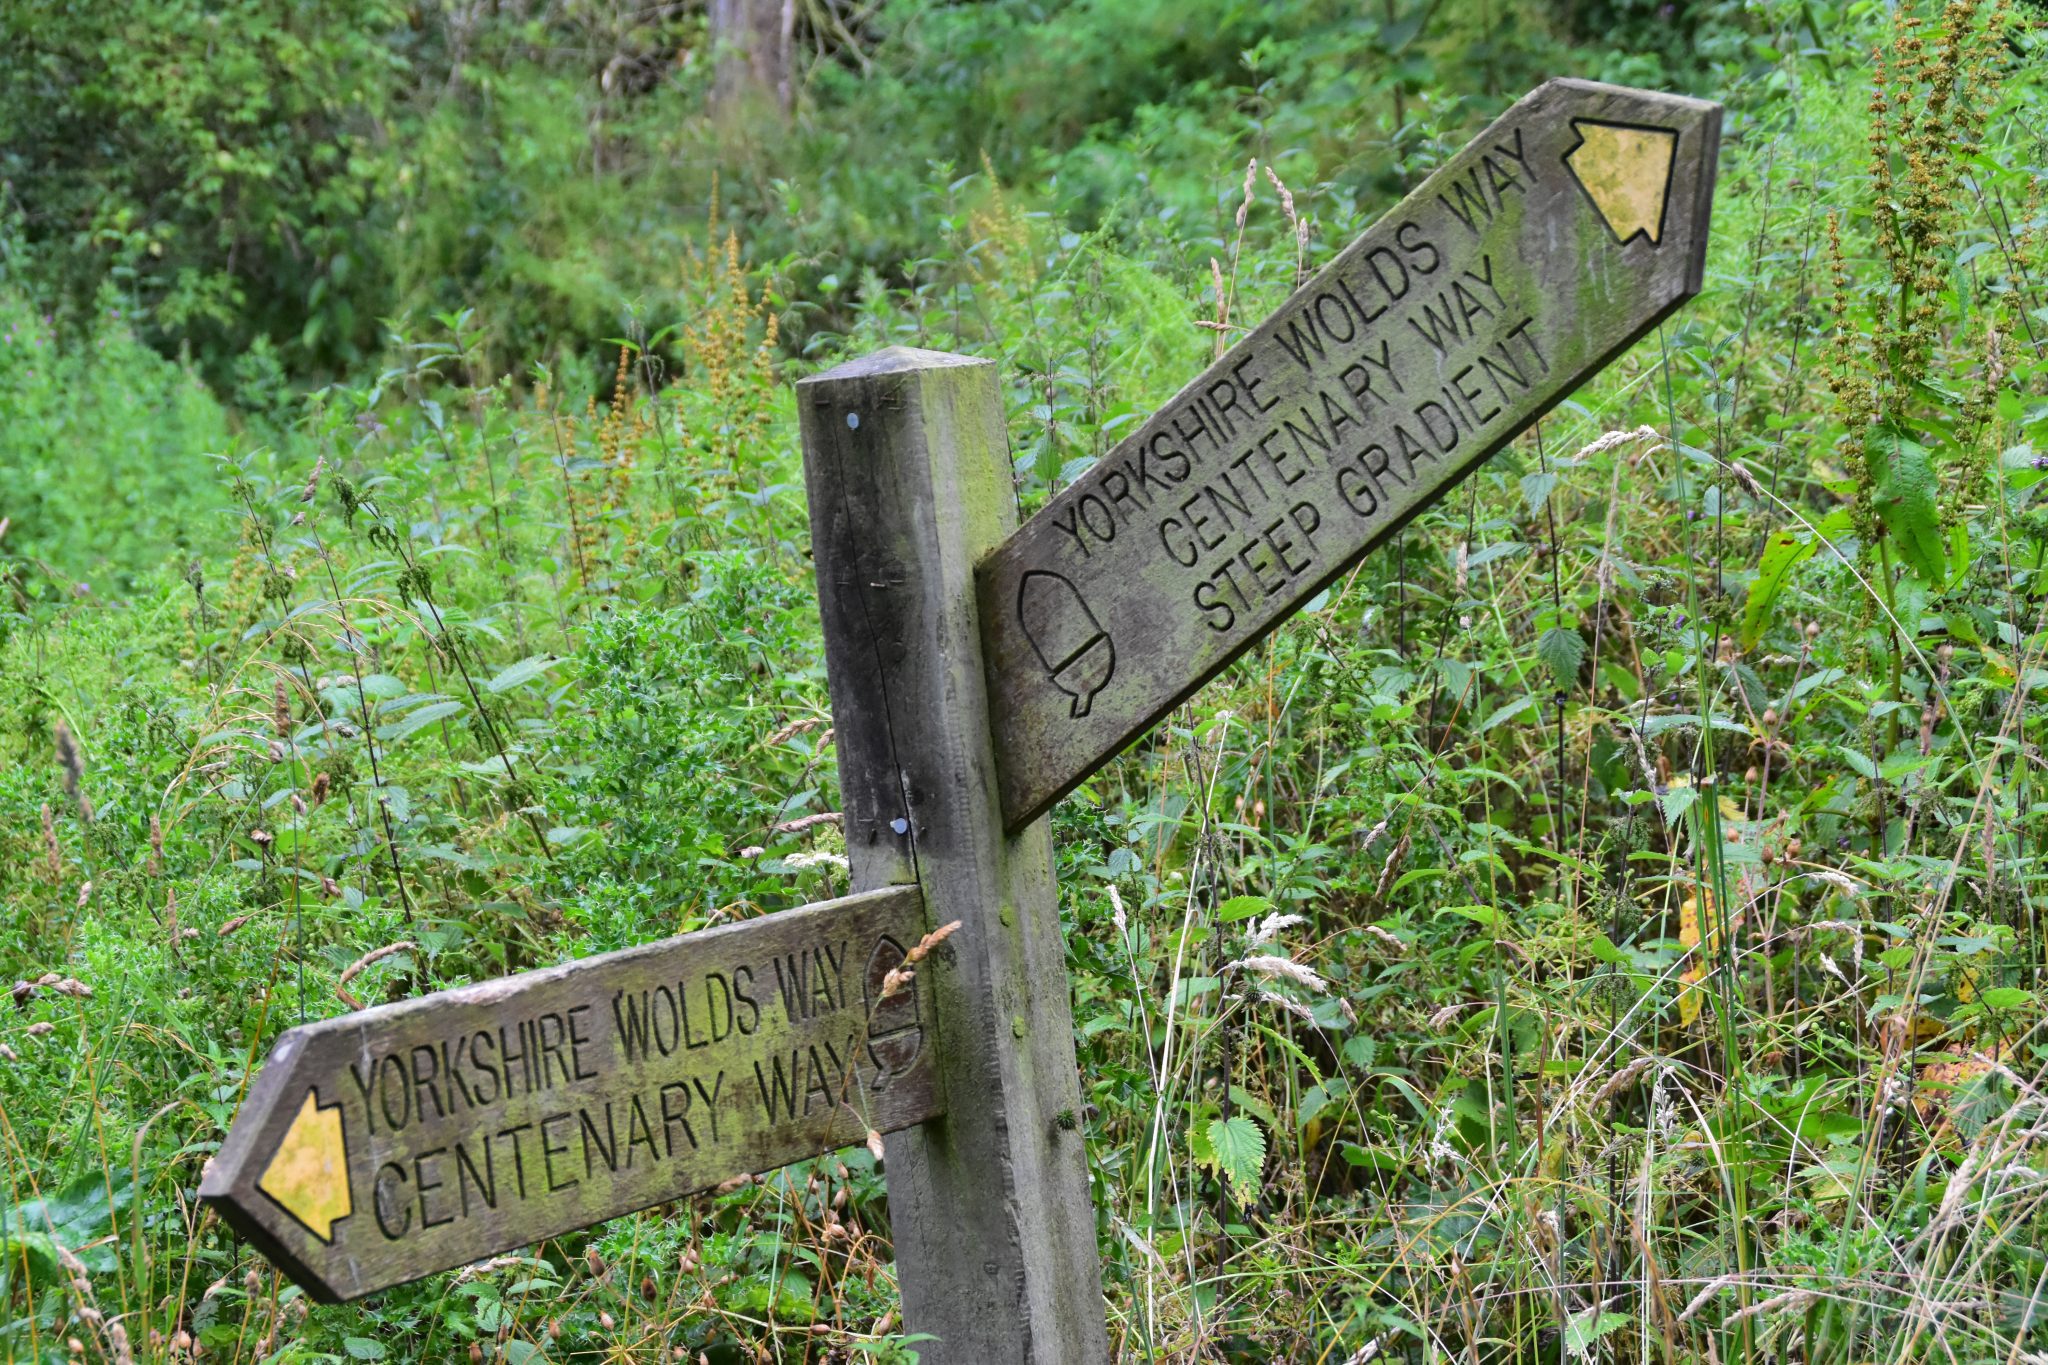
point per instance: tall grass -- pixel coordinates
(1602, 926)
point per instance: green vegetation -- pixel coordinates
(1605, 926)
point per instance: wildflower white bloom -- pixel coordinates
(1293, 1007)
(1663, 1111)
(1818, 925)
(1117, 915)
(1441, 1152)
(1273, 924)
(1388, 937)
(1285, 968)
(1366, 1353)
(1840, 881)
(816, 858)
(1607, 441)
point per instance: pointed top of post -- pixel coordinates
(893, 360)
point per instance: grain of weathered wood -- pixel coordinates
(909, 480)
(388, 1144)
(1552, 242)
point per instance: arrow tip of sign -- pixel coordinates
(308, 1174)
(1625, 170)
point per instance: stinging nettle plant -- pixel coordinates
(1932, 90)
(1898, 347)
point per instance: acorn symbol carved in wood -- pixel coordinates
(895, 1022)
(1070, 642)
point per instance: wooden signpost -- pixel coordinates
(1531, 259)
(385, 1145)
(978, 672)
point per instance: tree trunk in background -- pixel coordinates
(752, 44)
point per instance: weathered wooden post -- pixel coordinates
(905, 456)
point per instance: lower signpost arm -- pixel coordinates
(906, 462)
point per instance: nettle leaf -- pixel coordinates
(526, 670)
(1507, 713)
(420, 720)
(1588, 1327)
(1676, 801)
(1903, 473)
(1487, 554)
(1773, 571)
(1563, 649)
(1238, 1149)
(1242, 907)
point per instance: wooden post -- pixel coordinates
(905, 458)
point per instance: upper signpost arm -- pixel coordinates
(1555, 239)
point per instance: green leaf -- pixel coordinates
(1563, 649)
(1773, 571)
(1254, 1106)
(420, 719)
(1603, 950)
(362, 1348)
(1903, 475)
(1492, 552)
(1238, 1148)
(1375, 1158)
(2005, 998)
(1676, 801)
(1507, 713)
(1588, 1327)
(1536, 490)
(36, 1256)
(1242, 907)
(1293, 1049)
(1904, 764)
(1414, 875)
(526, 670)
(1318, 1098)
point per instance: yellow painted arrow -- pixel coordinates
(308, 1174)
(1626, 171)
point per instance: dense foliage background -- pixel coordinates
(1604, 925)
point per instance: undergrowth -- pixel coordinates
(1601, 926)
